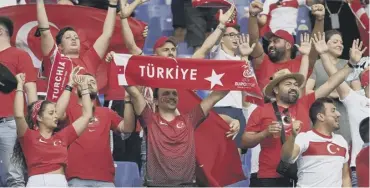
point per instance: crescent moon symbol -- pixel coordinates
(329, 150)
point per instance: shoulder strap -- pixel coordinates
(279, 119)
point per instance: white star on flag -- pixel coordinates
(215, 79)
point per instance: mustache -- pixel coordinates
(293, 91)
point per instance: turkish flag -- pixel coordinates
(180, 73)
(362, 22)
(88, 22)
(218, 160)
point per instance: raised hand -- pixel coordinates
(255, 7)
(318, 10)
(243, 44)
(355, 51)
(21, 78)
(228, 15)
(81, 81)
(319, 43)
(109, 56)
(74, 72)
(305, 47)
(296, 127)
(145, 32)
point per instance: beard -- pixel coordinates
(276, 56)
(93, 94)
(291, 97)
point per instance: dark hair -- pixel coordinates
(330, 33)
(155, 93)
(236, 27)
(364, 130)
(8, 24)
(318, 107)
(18, 156)
(58, 38)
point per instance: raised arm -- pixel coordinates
(208, 103)
(20, 120)
(216, 34)
(137, 99)
(318, 10)
(128, 37)
(128, 125)
(304, 49)
(63, 100)
(102, 43)
(81, 123)
(47, 40)
(253, 30)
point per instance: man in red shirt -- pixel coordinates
(362, 160)
(281, 46)
(17, 61)
(90, 160)
(263, 128)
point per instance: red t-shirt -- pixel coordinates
(262, 117)
(89, 157)
(46, 155)
(89, 59)
(362, 167)
(170, 147)
(17, 61)
(268, 68)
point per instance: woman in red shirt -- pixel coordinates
(42, 149)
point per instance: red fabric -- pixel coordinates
(217, 156)
(46, 155)
(322, 149)
(262, 117)
(268, 68)
(17, 61)
(154, 71)
(90, 20)
(89, 157)
(363, 24)
(283, 35)
(171, 147)
(362, 167)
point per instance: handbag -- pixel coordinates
(285, 169)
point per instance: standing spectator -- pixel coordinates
(97, 169)
(322, 156)
(280, 47)
(262, 127)
(362, 159)
(178, 19)
(357, 105)
(333, 39)
(40, 147)
(17, 61)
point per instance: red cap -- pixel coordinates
(281, 34)
(162, 40)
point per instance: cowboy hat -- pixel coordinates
(280, 76)
(7, 80)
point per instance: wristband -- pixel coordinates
(69, 88)
(85, 93)
(19, 90)
(352, 65)
(112, 6)
(39, 30)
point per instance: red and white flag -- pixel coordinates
(179, 73)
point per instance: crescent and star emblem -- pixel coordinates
(328, 147)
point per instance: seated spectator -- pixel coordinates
(333, 39)
(43, 150)
(280, 47)
(357, 105)
(262, 127)
(362, 159)
(96, 170)
(17, 61)
(319, 150)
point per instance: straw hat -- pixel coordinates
(280, 76)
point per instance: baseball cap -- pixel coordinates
(162, 40)
(7, 80)
(281, 34)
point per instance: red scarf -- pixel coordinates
(194, 74)
(59, 76)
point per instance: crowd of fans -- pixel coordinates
(312, 130)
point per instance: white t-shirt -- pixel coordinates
(255, 152)
(283, 17)
(357, 108)
(234, 98)
(321, 159)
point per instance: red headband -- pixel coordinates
(35, 110)
(365, 78)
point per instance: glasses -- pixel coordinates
(232, 35)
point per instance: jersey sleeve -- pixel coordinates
(114, 118)
(25, 65)
(195, 116)
(68, 134)
(146, 116)
(254, 121)
(302, 142)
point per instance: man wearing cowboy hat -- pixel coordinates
(262, 127)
